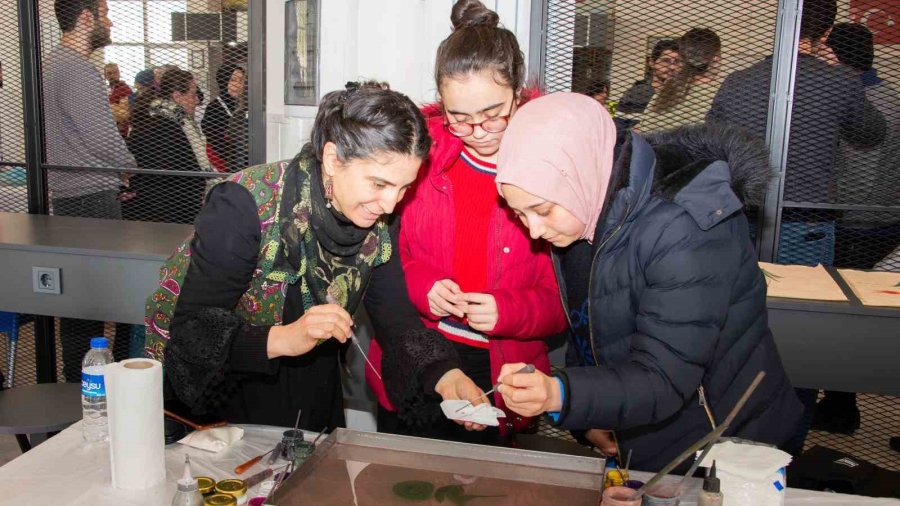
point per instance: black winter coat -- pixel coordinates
(677, 301)
(159, 143)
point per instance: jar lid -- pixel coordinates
(232, 487)
(205, 484)
(220, 500)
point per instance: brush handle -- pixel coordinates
(247, 465)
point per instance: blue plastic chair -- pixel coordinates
(9, 323)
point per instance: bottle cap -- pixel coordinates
(711, 483)
(206, 485)
(99, 342)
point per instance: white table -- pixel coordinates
(65, 470)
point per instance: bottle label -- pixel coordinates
(92, 385)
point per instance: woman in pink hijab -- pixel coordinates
(665, 299)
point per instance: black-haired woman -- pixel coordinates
(242, 316)
(225, 151)
(164, 136)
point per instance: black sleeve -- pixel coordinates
(414, 357)
(863, 125)
(214, 125)
(207, 339)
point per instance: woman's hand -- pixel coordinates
(455, 385)
(481, 310)
(443, 298)
(529, 394)
(318, 323)
(603, 440)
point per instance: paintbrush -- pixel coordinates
(331, 300)
(193, 425)
(525, 370)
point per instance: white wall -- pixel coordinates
(386, 40)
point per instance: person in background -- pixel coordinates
(651, 243)
(473, 274)
(865, 177)
(224, 151)
(250, 311)
(665, 60)
(80, 132)
(118, 97)
(687, 95)
(165, 136)
(144, 81)
(599, 91)
(829, 106)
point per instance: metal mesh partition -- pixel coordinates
(662, 64)
(13, 187)
(144, 105)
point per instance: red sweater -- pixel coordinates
(475, 198)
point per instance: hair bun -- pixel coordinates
(472, 13)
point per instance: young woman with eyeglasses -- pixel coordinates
(472, 271)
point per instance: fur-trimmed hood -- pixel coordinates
(683, 153)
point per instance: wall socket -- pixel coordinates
(46, 280)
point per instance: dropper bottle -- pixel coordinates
(711, 495)
(188, 493)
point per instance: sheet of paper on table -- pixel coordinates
(874, 288)
(801, 282)
(462, 410)
(213, 440)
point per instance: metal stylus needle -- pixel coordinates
(332, 300)
(525, 370)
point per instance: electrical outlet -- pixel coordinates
(46, 280)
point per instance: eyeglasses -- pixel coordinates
(493, 125)
(670, 61)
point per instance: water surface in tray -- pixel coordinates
(346, 474)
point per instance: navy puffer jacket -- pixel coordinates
(677, 301)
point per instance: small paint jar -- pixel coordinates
(619, 496)
(666, 494)
(235, 488)
(614, 478)
(206, 485)
(303, 451)
(290, 439)
(220, 500)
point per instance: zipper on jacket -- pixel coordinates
(591, 280)
(557, 269)
(702, 399)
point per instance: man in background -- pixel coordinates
(829, 106)
(80, 132)
(866, 177)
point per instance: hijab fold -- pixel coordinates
(559, 147)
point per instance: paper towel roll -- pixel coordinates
(134, 397)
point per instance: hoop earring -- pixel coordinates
(329, 191)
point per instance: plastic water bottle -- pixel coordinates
(93, 391)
